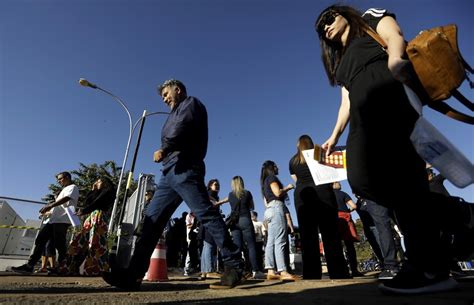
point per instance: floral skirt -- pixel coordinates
(87, 254)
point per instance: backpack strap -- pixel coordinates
(458, 95)
(376, 37)
(447, 110)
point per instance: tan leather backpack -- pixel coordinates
(440, 69)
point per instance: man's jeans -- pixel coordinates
(173, 187)
(381, 218)
(275, 249)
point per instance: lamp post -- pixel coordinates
(86, 83)
(132, 167)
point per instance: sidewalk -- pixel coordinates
(33, 289)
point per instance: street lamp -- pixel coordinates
(86, 83)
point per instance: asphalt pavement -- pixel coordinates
(43, 289)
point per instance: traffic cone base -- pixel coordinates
(158, 269)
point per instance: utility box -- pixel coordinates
(125, 244)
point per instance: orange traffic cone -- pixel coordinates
(158, 269)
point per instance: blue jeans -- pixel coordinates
(275, 249)
(244, 232)
(208, 257)
(381, 218)
(174, 186)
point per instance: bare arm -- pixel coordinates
(294, 178)
(48, 207)
(351, 204)
(278, 192)
(289, 222)
(391, 33)
(220, 202)
(341, 123)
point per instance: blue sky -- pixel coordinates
(254, 63)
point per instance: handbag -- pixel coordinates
(233, 218)
(439, 67)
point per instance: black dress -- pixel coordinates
(383, 165)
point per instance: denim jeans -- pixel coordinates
(208, 257)
(174, 186)
(275, 249)
(381, 218)
(244, 232)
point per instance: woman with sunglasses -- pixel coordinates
(381, 120)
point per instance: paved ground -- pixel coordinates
(41, 289)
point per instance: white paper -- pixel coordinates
(75, 221)
(322, 173)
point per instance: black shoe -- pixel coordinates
(231, 277)
(387, 274)
(52, 271)
(122, 279)
(357, 274)
(406, 282)
(23, 269)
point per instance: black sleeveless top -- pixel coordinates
(362, 51)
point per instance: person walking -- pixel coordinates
(373, 101)
(56, 229)
(89, 246)
(184, 140)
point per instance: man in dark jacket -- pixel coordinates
(184, 140)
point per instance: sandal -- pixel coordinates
(273, 277)
(290, 278)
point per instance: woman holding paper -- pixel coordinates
(316, 209)
(90, 244)
(381, 159)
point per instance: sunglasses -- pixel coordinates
(327, 19)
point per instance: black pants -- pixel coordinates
(316, 210)
(383, 166)
(55, 233)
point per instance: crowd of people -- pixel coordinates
(371, 82)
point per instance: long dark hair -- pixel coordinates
(332, 51)
(304, 142)
(211, 182)
(268, 168)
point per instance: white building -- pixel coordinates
(14, 241)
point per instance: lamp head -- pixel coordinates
(84, 82)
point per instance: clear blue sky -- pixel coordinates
(254, 63)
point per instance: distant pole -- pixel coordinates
(132, 169)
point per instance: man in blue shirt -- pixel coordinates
(184, 140)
